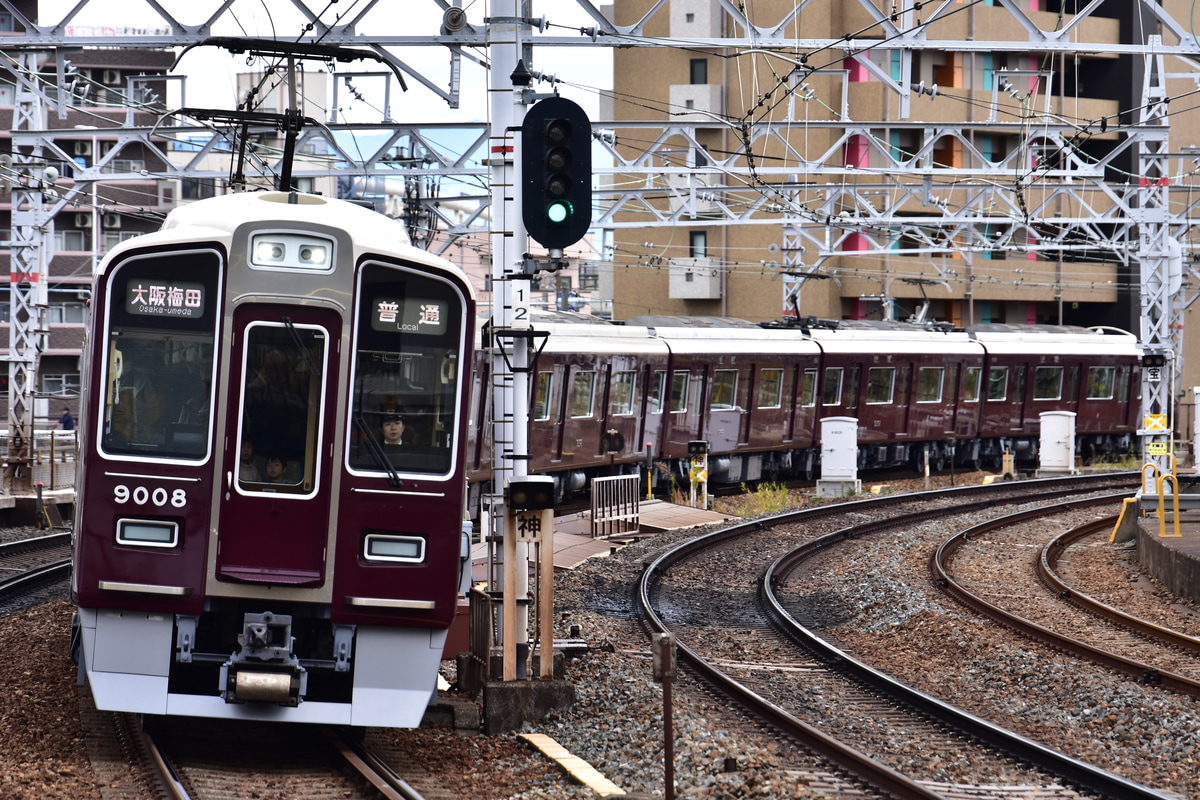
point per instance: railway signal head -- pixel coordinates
(556, 172)
(532, 493)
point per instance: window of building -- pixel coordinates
(197, 188)
(589, 277)
(724, 389)
(60, 312)
(698, 73)
(583, 394)
(1047, 383)
(929, 384)
(114, 238)
(70, 241)
(67, 384)
(698, 244)
(770, 388)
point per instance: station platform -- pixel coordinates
(573, 542)
(1174, 561)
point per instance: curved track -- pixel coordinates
(935, 726)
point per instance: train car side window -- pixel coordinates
(541, 402)
(881, 382)
(972, 386)
(770, 388)
(658, 390)
(624, 388)
(1101, 383)
(583, 394)
(997, 383)
(679, 384)
(832, 396)
(852, 379)
(1047, 383)
(724, 389)
(158, 356)
(929, 384)
(808, 389)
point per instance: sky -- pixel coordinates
(211, 71)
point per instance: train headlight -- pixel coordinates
(277, 250)
(315, 255)
(267, 252)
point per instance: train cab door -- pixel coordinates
(274, 512)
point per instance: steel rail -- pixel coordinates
(1145, 673)
(882, 777)
(1048, 574)
(1070, 769)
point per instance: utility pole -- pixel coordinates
(1160, 260)
(27, 276)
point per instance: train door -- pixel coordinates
(748, 405)
(274, 513)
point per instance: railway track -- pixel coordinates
(217, 760)
(28, 566)
(1063, 618)
(858, 718)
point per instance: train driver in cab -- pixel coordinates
(391, 431)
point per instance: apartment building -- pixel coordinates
(878, 179)
(108, 91)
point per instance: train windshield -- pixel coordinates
(282, 394)
(407, 365)
(158, 357)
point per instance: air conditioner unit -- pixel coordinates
(107, 147)
(112, 77)
(83, 148)
(112, 220)
(83, 220)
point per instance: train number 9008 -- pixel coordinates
(143, 495)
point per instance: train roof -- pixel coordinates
(228, 211)
(1059, 339)
(218, 218)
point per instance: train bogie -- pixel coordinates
(251, 540)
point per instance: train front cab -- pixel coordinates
(209, 585)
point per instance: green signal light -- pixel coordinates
(558, 212)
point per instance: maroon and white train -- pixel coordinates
(757, 395)
(249, 542)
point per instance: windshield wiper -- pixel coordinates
(296, 340)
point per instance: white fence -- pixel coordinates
(615, 506)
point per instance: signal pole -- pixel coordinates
(509, 329)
